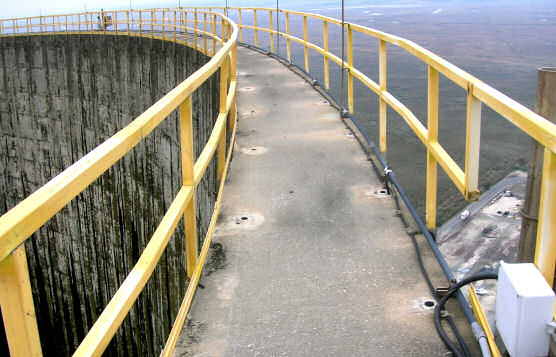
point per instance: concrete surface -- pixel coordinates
(488, 235)
(309, 258)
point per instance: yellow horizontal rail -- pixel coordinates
(29, 215)
(19, 223)
(25, 218)
(531, 123)
(114, 313)
(478, 93)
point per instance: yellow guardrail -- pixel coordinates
(49, 199)
(478, 93)
(24, 219)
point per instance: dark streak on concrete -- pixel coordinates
(60, 97)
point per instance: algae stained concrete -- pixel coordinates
(60, 97)
(308, 259)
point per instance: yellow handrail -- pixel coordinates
(478, 93)
(18, 226)
(28, 216)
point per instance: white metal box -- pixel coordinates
(524, 307)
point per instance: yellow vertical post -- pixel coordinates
(170, 22)
(127, 21)
(545, 251)
(288, 47)
(325, 56)
(188, 178)
(140, 24)
(223, 99)
(432, 164)
(305, 48)
(240, 26)
(382, 102)
(152, 23)
(350, 69)
(223, 29)
(163, 24)
(180, 12)
(233, 78)
(255, 25)
(472, 146)
(205, 34)
(66, 25)
(271, 28)
(175, 24)
(16, 301)
(214, 33)
(184, 24)
(195, 31)
(114, 22)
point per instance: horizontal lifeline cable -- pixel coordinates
(391, 177)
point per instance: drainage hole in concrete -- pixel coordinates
(244, 218)
(253, 149)
(291, 191)
(429, 303)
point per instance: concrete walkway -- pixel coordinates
(309, 258)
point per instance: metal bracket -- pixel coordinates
(344, 112)
(315, 82)
(441, 291)
(551, 329)
(387, 171)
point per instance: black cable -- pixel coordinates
(453, 326)
(454, 289)
(389, 177)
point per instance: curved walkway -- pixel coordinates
(309, 258)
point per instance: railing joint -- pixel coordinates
(344, 113)
(470, 87)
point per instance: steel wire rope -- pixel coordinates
(277, 29)
(448, 318)
(422, 267)
(342, 100)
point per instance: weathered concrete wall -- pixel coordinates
(60, 97)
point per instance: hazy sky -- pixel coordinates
(23, 8)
